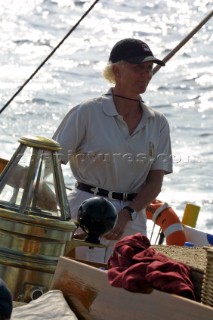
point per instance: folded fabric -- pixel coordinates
(6, 303)
(50, 306)
(135, 265)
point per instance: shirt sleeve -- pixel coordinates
(70, 133)
(163, 156)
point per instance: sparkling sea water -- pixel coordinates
(183, 90)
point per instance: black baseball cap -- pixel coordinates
(133, 51)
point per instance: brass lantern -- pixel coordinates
(35, 222)
(32, 183)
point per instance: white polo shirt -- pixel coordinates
(102, 153)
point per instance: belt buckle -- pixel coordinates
(110, 195)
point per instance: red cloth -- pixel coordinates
(135, 265)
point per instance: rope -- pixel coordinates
(48, 57)
(184, 41)
(155, 70)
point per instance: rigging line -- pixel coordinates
(48, 57)
(184, 41)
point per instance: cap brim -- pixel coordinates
(138, 60)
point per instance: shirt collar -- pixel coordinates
(108, 104)
(110, 109)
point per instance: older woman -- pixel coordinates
(117, 146)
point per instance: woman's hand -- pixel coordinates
(123, 219)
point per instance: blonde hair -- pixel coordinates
(108, 73)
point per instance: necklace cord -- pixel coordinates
(48, 57)
(119, 96)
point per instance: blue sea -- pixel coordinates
(183, 90)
